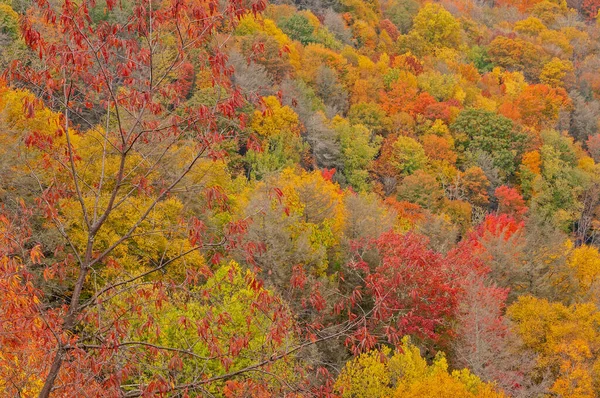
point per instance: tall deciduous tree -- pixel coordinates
(496, 135)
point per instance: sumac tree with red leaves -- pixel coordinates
(403, 288)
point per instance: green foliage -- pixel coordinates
(359, 147)
(279, 130)
(390, 77)
(401, 13)
(480, 58)
(9, 21)
(408, 156)
(479, 130)
(421, 188)
(184, 322)
(562, 144)
(440, 86)
(277, 153)
(558, 189)
(370, 115)
(297, 27)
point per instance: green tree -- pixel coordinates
(359, 147)
(370, 115)
(214, 319)
(408, 155)
(9, 21)
(479, 130)
(298, 27)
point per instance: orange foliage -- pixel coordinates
(390, 28)
(438, 148)
(533, 161)
(539, 105)
(399, 99)
(406, 212)
(510, 110)
(522, 5)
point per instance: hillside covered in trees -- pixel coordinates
(303, 198)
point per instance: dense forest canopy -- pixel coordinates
(303, 198)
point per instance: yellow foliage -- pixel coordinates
(586, 163)
(441, 129)
(448, 55)
(228, 298)
(250, 24)
(367, 10)
(313, 197)
(366, 376)
(360, 91)
(436, 26)
(566, 339)
(556, 38)
(578, 384)
(9, 20)
(312, 19)
(585, 262)
(365, 64)
(406, 374)
(443, 170)
(279, 11)
(42, 120)
(314, 55)
(514, 84)
(572, 33)
(23, 119)
(548, 11)
(350, 55)
(556, 72)
(485, 103)
(159, 236)
(383, 64)
(459, 94)
(531, 26)
(408, 78)
(275, 119)
(365, 34)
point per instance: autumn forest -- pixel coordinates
(300, 198)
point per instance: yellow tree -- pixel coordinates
(278, 129)
(406, 374)
(584, 262)
(557, 73)
(298, 221)
(436, 26)
(567, 341)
